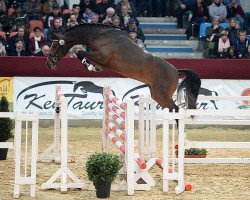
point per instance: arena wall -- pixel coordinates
(71, 67)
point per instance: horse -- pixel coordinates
(112, 48)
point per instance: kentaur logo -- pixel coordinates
(246, 103)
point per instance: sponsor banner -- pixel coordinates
(85, 95)
(6, 88)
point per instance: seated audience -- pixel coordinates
(227, 2)
(108, 17)
(232, 53)
(76, 12)
(95, 19)
(213, 35)
(117, 22)
(50, 18)
(87, 15)
(87, 3)
(133, 36)
(56, 28)
(18, 51)
(221, 47)
(44, 51)
(241, 44)
(124, 16)
(218, 9)
(12, 40)
(235, 10)
(37, 41)
(33, 9)
(247, 54)
(130, 6)
(233, 31)
(101, 8)
(18, 18)
(4, 19)
(72, 21)
(132, 26)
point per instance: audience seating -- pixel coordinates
(34, 23)
(3, 35)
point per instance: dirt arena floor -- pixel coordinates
(209, 181)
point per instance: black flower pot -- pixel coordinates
(102, 190)
(3, 153)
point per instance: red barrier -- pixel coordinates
(71, 67)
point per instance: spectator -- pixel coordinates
(130, 7)
(124, 16)
(86, 3)
(12, 40)
(101, 8)
(19, 51)
(95, 19)
(140, 8)
(75, 11)
(235, 10)
(133, 36)
(56, 28)
(46, 8)
(247, 54)
(74, 50)
(232, 53)
(4, 19)
(87, 15)
(2, 40)
(169, 8)
(212, 35)
(218, 9)
(241, 44)
(33, 9)
(108, 18)
(36, 42)
(132, 26)
(233, 30)
(44, 51)
(72, 21)
(199, 15)
(183, 6)
(2, 49)
(221, 47)
(117, 22)
(18, 18)
(49, 20)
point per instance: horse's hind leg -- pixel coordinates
(163, 97)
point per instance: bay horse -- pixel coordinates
(112, 48)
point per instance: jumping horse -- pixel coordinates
(112, 48)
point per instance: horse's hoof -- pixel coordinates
(98, 69)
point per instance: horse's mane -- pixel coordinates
(93, 26)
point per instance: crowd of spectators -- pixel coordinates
(227, 36)
(21, 37)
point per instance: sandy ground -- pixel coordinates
(209, 181)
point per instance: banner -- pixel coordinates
(85, 95)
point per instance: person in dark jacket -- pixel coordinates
(56, 28)
(132, 26)
(44, 51)
(19, 51)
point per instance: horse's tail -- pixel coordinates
(191, 83)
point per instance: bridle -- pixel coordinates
(53, 57)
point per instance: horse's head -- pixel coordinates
(56, 52)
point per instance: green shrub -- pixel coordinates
(195, 151)
(102, 167)
(6, 124)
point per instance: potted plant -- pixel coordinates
(6, 126)
(102, 169)
(193, 152)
